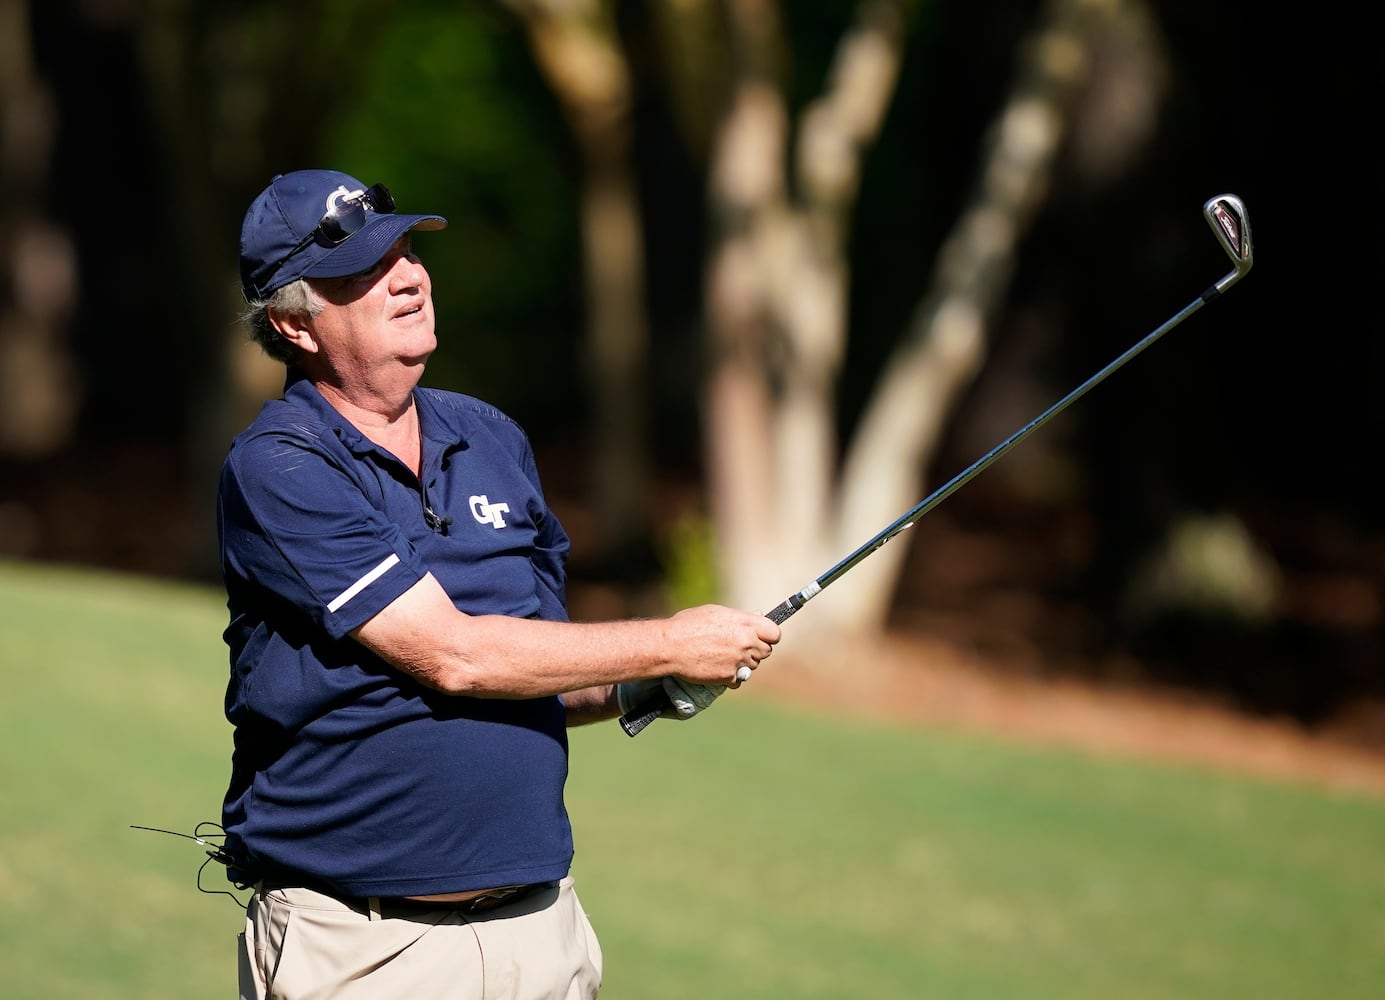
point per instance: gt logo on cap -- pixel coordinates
(340, 195)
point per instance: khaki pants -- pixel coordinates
(299, 944)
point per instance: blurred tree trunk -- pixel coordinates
(777, 291)
(39, 389)
(578, 49)
(227, 85)
(784, 510)
(778, 275)
(187, 81)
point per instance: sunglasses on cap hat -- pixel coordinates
(344, 217)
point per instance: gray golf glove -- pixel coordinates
(688, 699)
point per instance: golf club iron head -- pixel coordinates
(1226, 214)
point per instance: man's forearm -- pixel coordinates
(494, 656)
(593, 704)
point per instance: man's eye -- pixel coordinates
(371, 273)
(385, 263)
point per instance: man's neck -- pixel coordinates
(389, 422)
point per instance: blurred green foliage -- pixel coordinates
(454, 117)
(689, 561)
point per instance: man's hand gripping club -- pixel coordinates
(710, 654)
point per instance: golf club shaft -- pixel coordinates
(790, 605)
(1227, 217)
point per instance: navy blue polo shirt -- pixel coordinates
(345, 769)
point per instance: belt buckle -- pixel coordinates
(490, 900)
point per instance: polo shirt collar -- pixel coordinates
(441, 434)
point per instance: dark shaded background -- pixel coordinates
(1265, 405)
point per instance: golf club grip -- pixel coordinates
(784, 610)
(635, 720)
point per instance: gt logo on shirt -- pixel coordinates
(486, 512)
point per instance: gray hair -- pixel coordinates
(298, 299)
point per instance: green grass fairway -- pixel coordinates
(757, 852)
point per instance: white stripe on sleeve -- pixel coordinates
(362, 583)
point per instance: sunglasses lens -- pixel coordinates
(341, 222)
(380, 198)
(347, 217)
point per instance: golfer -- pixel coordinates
(402, 670)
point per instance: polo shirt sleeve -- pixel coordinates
(550, 554)
(298, 525)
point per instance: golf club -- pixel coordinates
(1226, 215)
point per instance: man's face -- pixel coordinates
(377, 318)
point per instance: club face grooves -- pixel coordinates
(1226, 214)
(1228, 228)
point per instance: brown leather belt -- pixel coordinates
(403, 907)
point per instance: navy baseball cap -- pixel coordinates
(318, 224)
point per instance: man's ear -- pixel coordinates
(293, 328)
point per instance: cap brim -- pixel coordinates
(364, 248)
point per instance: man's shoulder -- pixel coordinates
(278, 423)
(284, 416)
